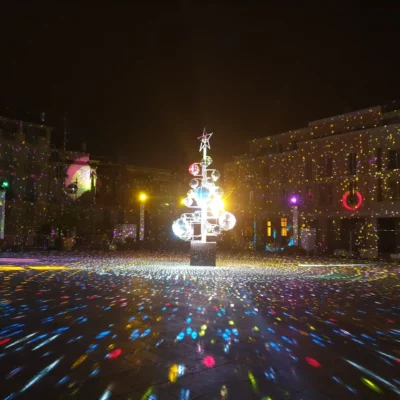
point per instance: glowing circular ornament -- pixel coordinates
(202, 195)
(194, 183)
(205, 162)
(350, 207)
(194, 169)
(215, 175)
(191, 193)
(188, 201)
(227, 221)
(182, 229)
(218, 192)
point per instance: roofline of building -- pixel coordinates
(131, 167)
(26, 122)
(310, 125)
(371, 130)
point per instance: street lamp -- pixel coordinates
(294, 200)
(4, 186)
(142, 200)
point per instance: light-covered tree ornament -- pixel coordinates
(206, 198)
(194, 169)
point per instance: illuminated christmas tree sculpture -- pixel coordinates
(210, 218)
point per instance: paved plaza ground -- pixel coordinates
(148, 326)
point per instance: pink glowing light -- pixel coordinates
(79, 172)
(194, 169)
(116, 353)
(208, 361)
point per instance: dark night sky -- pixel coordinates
(142, 81)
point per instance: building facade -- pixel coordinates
(24, 154)
(342, 171)
(118, 186)
(51, 190)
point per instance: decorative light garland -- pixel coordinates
(346, 204)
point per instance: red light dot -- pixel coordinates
(115, 353)
(313, 363)
(208, 361)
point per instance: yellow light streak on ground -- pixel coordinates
(49, 268)
(10, 268)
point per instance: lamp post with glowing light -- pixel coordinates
(294, 201)
(4, 186)
(142, 201)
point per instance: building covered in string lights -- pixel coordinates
(51, 190)
(24, 153)
(343, 171)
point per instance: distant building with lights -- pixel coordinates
(24, 153)
(52, 190)
(345, 173)
(118, 186)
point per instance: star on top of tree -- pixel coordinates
(205, 140)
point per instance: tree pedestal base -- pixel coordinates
(203, 254)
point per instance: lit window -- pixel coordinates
(269, 228)
(394, 190)
(393, 159)
(283, 226)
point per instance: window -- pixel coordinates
(325, 195)
(31, 135)
(28, 167)
(294, 146)
(308, 170)
(352, 163)
(393, 159)
(59, 171)
(279, 147)
(379, 159)
(308, 194)
(269, 228)
(266, 170)
(379, 196)
(352, 199)
(248, 230)
(9, 130)
(329, 166)
(121, 217)
(394, 191)
(9, 159)
(251, 195)
(30, 189)
(283, 226)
